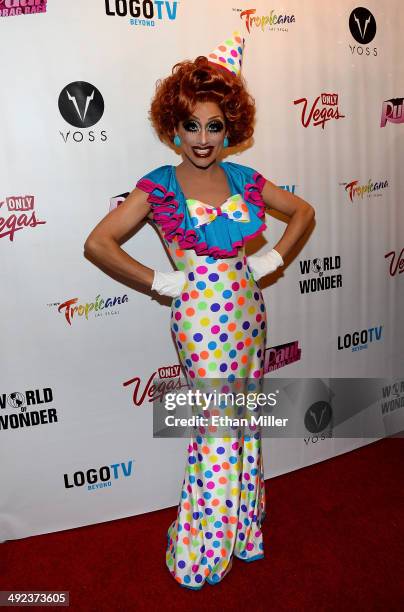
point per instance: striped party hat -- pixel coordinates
(229, 54)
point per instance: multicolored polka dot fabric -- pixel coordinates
(219, 325)
(233, 208)
(229, 54)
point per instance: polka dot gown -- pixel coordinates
(219, 325)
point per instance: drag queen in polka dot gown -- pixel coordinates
(219, 325)
(206, 211)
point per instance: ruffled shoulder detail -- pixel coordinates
(164, 203)
(222, 237)
(253, 185)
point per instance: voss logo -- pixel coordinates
(82, 106)
(99, 478)
(318, 421)
(318, 417)
(362, 26)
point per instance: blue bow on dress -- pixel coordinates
(233, 208)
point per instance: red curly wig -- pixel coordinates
(200, 81)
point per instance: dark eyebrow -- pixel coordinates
(214, 117)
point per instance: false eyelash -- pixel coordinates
(218, 126)
(190, 126)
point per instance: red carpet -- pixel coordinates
(333, 541)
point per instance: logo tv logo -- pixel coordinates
(145, 9)
(99, 478)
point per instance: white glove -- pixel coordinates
(169, 283)
(264, 264)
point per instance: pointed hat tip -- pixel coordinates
(229, 54)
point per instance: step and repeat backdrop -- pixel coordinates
(82, 354)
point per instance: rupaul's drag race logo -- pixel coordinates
(360, 340)
(9, 8)
(272, 22)
(277, 357)
(323, 109)
(99, 478)
(21, 214)
(23, 409)
(325, 271)
(72, 309)
(81, 105)
(396, 262)
(357, 192)
(362, 26)
(164, 380)
(142, 12)
(392, 111)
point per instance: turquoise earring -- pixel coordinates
(177, 140)
(225, 142)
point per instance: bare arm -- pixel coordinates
(102, 246)
(300, 211)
